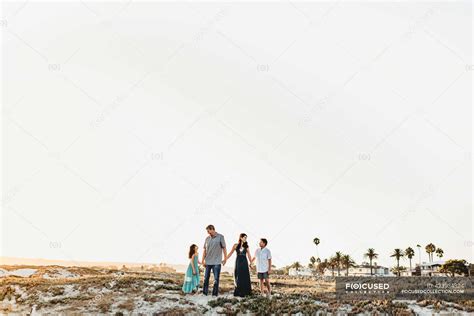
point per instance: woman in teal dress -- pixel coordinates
(191, 278)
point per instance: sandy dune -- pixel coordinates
(58, 289)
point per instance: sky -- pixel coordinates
(128, 127)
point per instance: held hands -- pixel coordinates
(224, 261)
(251, 266)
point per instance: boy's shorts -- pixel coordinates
(262, 275)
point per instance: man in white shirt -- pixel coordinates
(264, 266)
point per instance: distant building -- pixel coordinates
(426, 269)
(303, 271)
(430, 268)
(409, 272)
(364, 270)
(361, 270)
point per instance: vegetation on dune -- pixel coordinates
(160, 294)
(453, 267)
(306, 304)
(260, 305)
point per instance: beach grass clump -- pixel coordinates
(222, 301)
(7, 293)
(127, 305)
(260, 305)
(385, 307)
(56, 291)
(105, 304)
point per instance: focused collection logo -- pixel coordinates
(410, 287)
(367, 288)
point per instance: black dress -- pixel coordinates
(243, 286)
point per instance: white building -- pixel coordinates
(361, 270)
(426, 269)
(431, 268)
(408, 272)
(303, 271)
(364, 270)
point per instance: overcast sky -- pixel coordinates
(129, 127)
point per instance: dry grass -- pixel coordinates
(128, 305)
(104, 304)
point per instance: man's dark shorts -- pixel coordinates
(262, 275)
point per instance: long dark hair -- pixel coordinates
(245, 245)
(192, 250)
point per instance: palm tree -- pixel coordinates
(296, 265)
(316, 241)
(430, 248)
(371, 255)
(398, 253)
(312, 261)
(322, 266)
(332, 264)
(419, 253)
(347, 262)
(410, 253)
(338, 261)
(439, 252)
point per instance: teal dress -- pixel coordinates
(191, 281)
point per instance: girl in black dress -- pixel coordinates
(243, 287)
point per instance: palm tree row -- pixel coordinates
(410, 253)
(337, 263)
(343, 261)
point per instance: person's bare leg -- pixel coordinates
(262, 290)
(267, 281)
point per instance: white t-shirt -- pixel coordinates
(263, 255)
